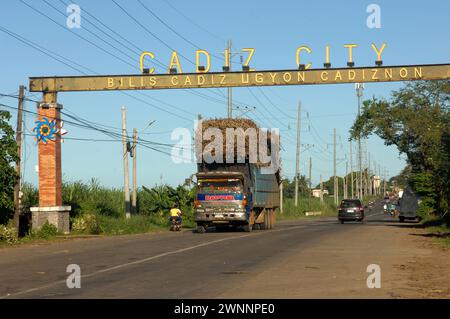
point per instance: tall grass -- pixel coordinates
(306, 204)
(108, 205)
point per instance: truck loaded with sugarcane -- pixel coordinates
(238, 175)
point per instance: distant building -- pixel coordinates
(316, 192)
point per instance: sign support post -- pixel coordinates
(51, 207)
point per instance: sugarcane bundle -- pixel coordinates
(230, 134)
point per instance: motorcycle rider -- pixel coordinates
(175, 214)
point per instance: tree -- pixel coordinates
(8, 155)
(329, 185)
(417, 120)
(289, 187)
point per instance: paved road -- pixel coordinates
(299, 259)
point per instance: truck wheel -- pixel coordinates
(200, 229)
(342, 221)
(401, 219)
(265, 225)
(270, 218)
(274, 218)
(248, 228)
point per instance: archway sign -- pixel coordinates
(50, 177)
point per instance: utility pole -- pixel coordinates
(337, 190)
(281, 197)
(334, 168)
(310, 177)
(321, 189)
(369, 176)
(346, 181)
(134, 196)
(18, 184)
(230, 92)
(125, 163)
(359, 93)
(351, 169)
(297, 161)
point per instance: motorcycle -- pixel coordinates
(175, 224)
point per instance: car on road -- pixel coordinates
(351, 210)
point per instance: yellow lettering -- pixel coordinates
(227, 57)
(110, 82)
(338, 76)
(259, 78)
(300, 49)
(287, 77)
(223, 79)
(327, 54)
(273, 76)
(175, 61)
(249, 58)
(388, 73)
(143, 55)
(130, 83)
(324, 76)
(152, 81)
(418, 72)
(245, 78)
(201, 80)
(301, 76)
(174, 80)
(350, 51)
(403, 73)
(208, 60)
(188, 81)
(351, 75)
(374, 74)
(378, 52)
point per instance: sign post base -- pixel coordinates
(56, 215)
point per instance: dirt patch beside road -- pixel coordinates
(412, 266)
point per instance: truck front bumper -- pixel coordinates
(219, 217)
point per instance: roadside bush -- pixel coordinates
(87, 224)
(47, 231)
(134, 225)
(8, 234)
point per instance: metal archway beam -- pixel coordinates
(240, 79)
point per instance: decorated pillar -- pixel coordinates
(48, 132)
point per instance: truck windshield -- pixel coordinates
(233, 186)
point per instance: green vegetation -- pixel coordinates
(8, 234)
(438, 228)
(417, 120)
(98, 210)
(8, 155)
(306, 204)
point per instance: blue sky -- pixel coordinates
(416, 32)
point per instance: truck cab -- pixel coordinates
(221, 199)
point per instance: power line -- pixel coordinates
(149, 31)
(135, 51)
(194, 23)
(59, 58)
(76, 34)
(90, 32)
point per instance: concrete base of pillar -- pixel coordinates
(57, 216)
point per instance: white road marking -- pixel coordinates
(140, 261)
